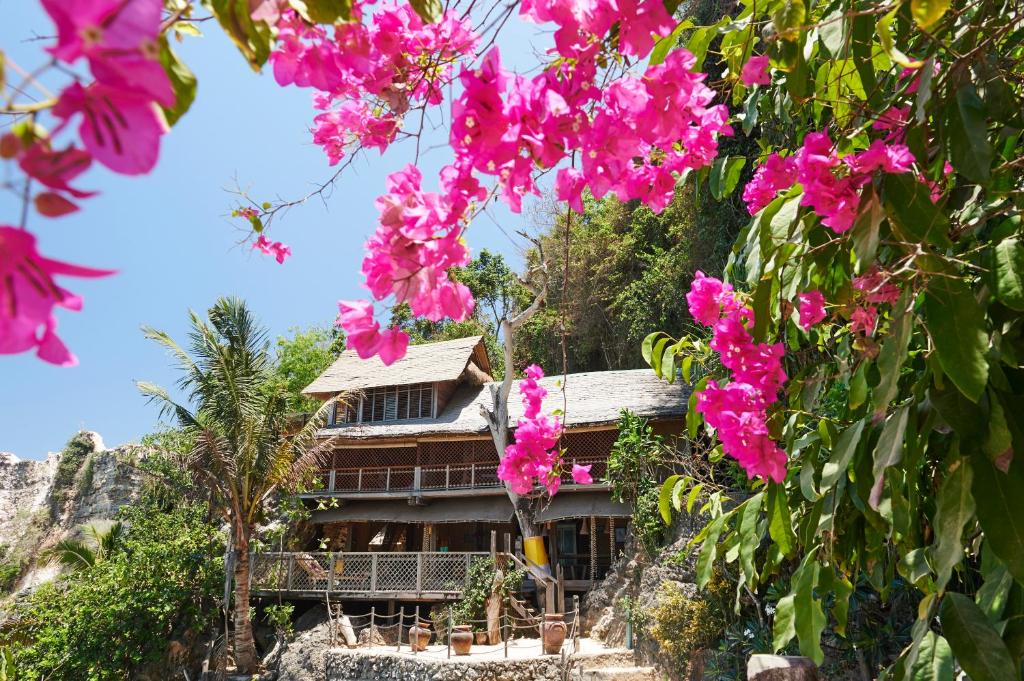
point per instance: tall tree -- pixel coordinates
(243, 449)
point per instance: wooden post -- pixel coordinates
(419, 580)
(593, 548)
(576, 623)
(373, 624)
(451, 626)
(447, 476)
(505, 627)
(291, 570)
(330, 574)
(494, 544)
(387, 480)
(560, 588)
(472, 476)
(508, 542)
(373, 572)
(611, 540)
(543, 623)
(401, 621)
(359, 481)
(415, 623)
(330, 487)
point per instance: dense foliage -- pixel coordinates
(635, 464)
(880, 278)
(117, 616)
(299, 358)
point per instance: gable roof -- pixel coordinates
(591, 399)
(426, 363)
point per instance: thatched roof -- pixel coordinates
(427, 363)
(591, 399)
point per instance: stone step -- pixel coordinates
(619, 674)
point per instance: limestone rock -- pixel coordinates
(303, 660)
(781, 668)
(371, 637)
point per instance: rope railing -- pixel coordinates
(510, 627)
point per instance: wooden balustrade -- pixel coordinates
(420, 574)
(434, 478)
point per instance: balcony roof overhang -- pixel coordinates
(466, 510)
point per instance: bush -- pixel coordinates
(633, 468)
(74, 454)
(107, 621)
(682, 625)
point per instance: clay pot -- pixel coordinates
(553, 633)
(481, 638)
(419, 635)
(462, 639)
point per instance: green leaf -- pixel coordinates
(885, 39)
(693, 418)
(1000, 506)
(665, 45)
(780, 520)
(858, 386)
(183, 82)
(784, 627)
(668, 362)
(691, 498)
(686, 368)
(866, 228)
(970, 151)
(429, 10)
(665, 498)
(328, 11)
(699, 42)
(807, 610)
(957, 324)
(253, 39)
(934, 660)
(893, 354)
(999, 440)
(911, 212)
(954, 508)
(657, 355)
(709, 549)
(647, 347)
(888, 452)
(748, 537)
(1009, 273)
(995, 590)
(977, 646)
(927, 12)
(789, 19)
(725, 175)
(842, 588)
(842, 454)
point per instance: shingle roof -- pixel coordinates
(428, 363)
(594, 398)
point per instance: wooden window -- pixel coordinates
(393, 403)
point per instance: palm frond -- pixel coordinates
(70, 553)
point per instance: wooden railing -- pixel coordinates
(364, 575)
(437, 478)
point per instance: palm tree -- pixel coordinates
(99, 543)
(244, 452)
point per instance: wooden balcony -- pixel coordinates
(405, 576)
(470, 479)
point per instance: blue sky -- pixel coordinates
(171, 239)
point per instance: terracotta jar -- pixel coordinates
(481, 638)
(553, 632)
(419, 635)
(462, 639)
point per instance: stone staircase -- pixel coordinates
(618, 665)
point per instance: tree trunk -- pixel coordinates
(245, 647)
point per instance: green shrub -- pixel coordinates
(633, 471)
(74, 454)
(280, 617)
(682, 625)
(105, 622)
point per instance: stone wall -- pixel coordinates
(353, 665)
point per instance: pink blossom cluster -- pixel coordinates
(831, 185)
(534, 454)
(28, 295)
(811, 308)
(738, 409)
(277, 249)
(582, 24)
(633, 137)
(368, 74)
(873, 288)
(364, 334)
(418, 239)
(120, 118)
(755, 71)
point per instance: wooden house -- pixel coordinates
(411, 496)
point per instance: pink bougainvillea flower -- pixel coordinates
(533, 456)
(706, 297)
(119, 38)
(755, 71)
(774, 175)
(277, 249)
(812, 308)
(362, 331)
(864, 319)
(28, 295)
(393, 343)
(875, 286)
(56, 169)
(581, 474)
(121, 130)
(53, 205)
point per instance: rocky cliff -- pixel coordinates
(44, 501)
